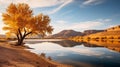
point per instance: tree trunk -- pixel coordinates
(21, 37)
(20, 42)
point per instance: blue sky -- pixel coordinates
(78, 15)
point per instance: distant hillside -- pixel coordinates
(72, 33)
(2, 36)
(110, 33)
(66, 34)
(107, 35)
(87, 32)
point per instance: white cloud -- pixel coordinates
(104, 20)
(44, 3)
(67, 12)
(91, 2)
(61, 6)
(80, 26)
(86, 25)
(38, 3)
(107, 20)
(61, 22)
(35, 3)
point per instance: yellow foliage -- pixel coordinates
(20, 21)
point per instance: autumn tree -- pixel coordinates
(20, 22)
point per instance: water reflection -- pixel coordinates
(87, 54)
(67, 43)
(113, 45)
(64, 43)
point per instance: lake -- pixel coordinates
(78, 54)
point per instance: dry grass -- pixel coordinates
(17, 57)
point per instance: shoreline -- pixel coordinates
(16, 56)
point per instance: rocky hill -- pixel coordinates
(110, 33)
(66, 34)
(87, 32)
(72, 33)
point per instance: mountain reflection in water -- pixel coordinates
(113, 45)
(85, 54)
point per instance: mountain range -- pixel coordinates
(72, 33)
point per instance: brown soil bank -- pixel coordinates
(17, 57)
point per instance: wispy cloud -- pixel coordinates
(91, 2)
(45, 3)
(104, 20)
(79, 26)
(38, 3)
(87, 25)
(61, 6)
(35, 3)
(67, 12)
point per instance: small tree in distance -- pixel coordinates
(21, 22)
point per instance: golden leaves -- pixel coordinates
(20, 16)
(12, 8)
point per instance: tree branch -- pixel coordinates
(18, 37)
(28, 33)
(25, 31)
(20, 32)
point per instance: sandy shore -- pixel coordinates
(12, 56)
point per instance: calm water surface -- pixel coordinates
(75, 53)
